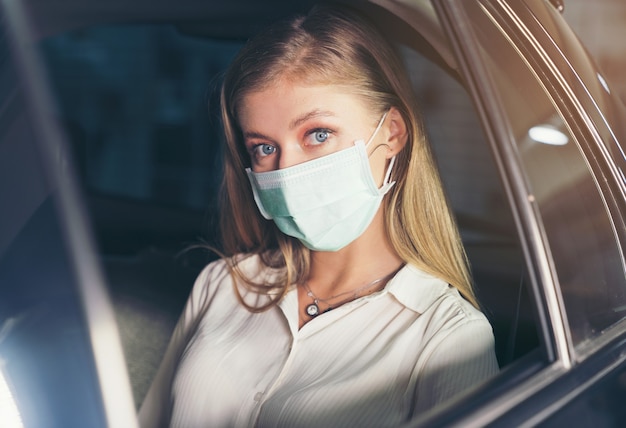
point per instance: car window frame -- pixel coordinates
(537, 259)
(543, 278)
(515, 386)
(573, 99)
(579, 105)
(564, 91)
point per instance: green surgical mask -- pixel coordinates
(327, 202)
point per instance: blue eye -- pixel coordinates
(321, 136)
(262, 150)
(318, 136)
(266, 149)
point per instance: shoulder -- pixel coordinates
(423, 292)
(436, 301)
(457, 347)
(217, 279)
(249, 265)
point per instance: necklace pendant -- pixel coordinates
(312, 310)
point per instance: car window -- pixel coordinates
(480, 205)
(138, 102)
(139, 105)
(565, 183)
(50, 293)
(598, 33)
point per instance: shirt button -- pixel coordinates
(258, 396)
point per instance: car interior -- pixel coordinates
(136, 91)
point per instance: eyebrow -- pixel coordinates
(294, 123)
(310, 115)
(258, 135)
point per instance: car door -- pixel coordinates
(554, 128)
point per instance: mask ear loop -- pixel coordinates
(380, 125)
(388, 173)
(393, 159)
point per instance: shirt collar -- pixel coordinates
(416, 289)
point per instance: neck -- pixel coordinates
(368, 258)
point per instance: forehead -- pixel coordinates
(286, 101)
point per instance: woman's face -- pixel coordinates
(288, 124)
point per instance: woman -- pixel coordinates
(345, 299)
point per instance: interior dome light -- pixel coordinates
(548, 134)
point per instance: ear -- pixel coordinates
(397, 133)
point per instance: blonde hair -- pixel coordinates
(336, 46)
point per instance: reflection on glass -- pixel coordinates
(9, 413)
(603, 83)
(547, 134)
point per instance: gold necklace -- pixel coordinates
(313, 309)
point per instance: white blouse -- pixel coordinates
(377, 361)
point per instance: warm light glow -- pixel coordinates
(9, 414)
(603, 83)
(548, 134)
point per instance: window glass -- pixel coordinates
(48, 374)
(602, 35)
(139, 104)
(563, 181)
(134, 102)
(480, 205)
